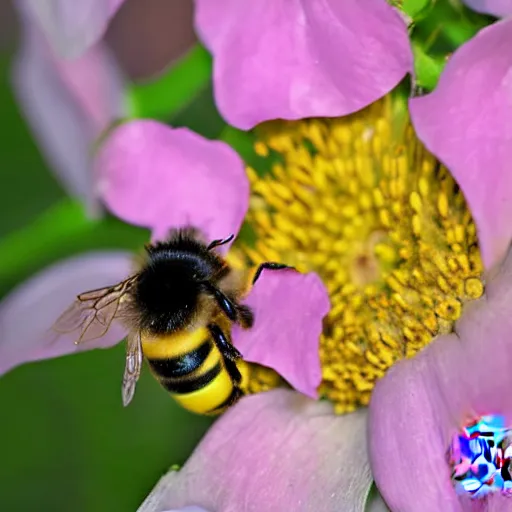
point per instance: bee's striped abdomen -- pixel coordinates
(181, 365)
(192, 369)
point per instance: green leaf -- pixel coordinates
(242, 142)
(414, 8)
(427, 68)
(174, 90)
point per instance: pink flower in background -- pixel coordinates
(71, 27)
(301, 58)
(68, 103)
(69, 84)
(146, 35)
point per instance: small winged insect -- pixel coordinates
(179, 308)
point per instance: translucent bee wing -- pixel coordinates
(92, 313)
(133, 366)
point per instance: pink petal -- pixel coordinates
(467, 123)
(288, 308)
(72, 27)
(159, 177)
(301, 58)
(273, 452)
(188, 509)
(29, 311)
(421, 402)
(497, 8)
(67, 104)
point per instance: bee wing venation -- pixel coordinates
(133, 366)
(92, 313)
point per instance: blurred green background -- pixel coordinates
(68, 444)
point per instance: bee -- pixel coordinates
(179, 308)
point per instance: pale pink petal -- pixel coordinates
(289, 308)
(273, 452)
(301, 58)
(498, 8)
(71, 26)
(467, 123)
(159, 177)
(191, 508)
(421, 402)
(67, 104)
(29, 311)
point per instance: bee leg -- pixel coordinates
(219, 242)
(226, 304)
(268, 265)
(245, 316)
(228, 351)
(233, 371)
(237, 313)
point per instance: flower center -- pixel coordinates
(362, 203)
(481, 457)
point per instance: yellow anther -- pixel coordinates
(261, 149)
(423, 187)
(385, 218)
(442, 204)
(383, 224)
(415, 201)
(473, 288)
(449, 309)
(416, 225)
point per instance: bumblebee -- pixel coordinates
(179, 308)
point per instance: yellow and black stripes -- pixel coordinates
(199, 374)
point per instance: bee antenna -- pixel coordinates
(220, 241)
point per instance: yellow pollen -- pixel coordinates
(259, 379)
(362, 203)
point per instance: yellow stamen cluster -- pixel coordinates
(260, 378)
(362, 203)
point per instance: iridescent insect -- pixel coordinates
(179, 308)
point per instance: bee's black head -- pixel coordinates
(169, 287)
